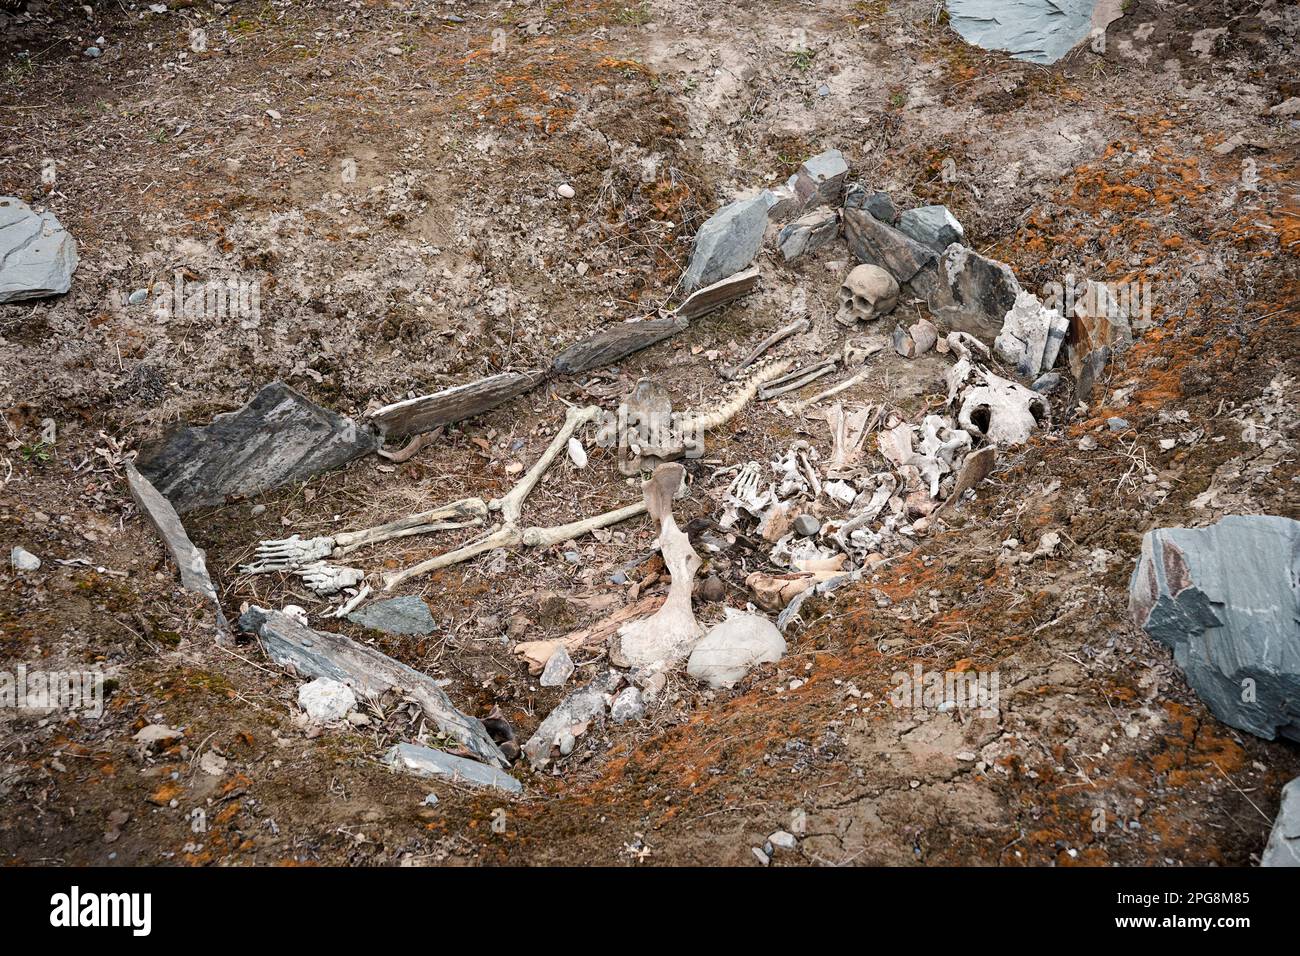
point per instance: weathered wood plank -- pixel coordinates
(703, 301)
(368, 671)
(614, 344)
(427, 412)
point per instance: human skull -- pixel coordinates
(868, 293)
(1001, 411)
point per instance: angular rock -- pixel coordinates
(1283, 847)
(879, 204)
(969, 292)
(1094, 363)
(368, 671)
(20, 559)
(190, 561)
(37, 256)
(820, 180)
(808, 233)
(570, 719)
(325, 700)
(806, 526)
(874, 242)
(728, 652)
(558, 669)
(1098, 321)
(1031, 336)
(277, 438)
(1226, 598)
(426, 762)
(627, 705)
(728, 241)
(399, 615)
(1039, 31)
(932, 226)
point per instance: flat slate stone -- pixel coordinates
(1038, 31)
(427, 762)
(277, 438)
(711, 297)
(399, 615)
(819, 181)
(728, 241)
(808, 233)
(37, 255)
(970, 292)
(1226, 598)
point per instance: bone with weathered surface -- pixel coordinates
(794, 328)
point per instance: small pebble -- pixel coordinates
(763, 858)
(782, 840)
(565, 191)
(1117, 424)
(807, 525)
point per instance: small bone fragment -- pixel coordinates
(794, 328)
(537, 653)
(672, 630)
(577, 454)
(848, 431)
(917, 340)
(407, 451)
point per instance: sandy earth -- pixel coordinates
(386, 175)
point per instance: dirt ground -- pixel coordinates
(449, 255)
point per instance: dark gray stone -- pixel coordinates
(728, 241)
(1283, 847)
(807, 525)
(876, 243)
(426, 762)
(857, 196)
(399, 615)
(1226, 598)
(1094, 363)
(37, 256)
(277, 438)
(577, 710)
(932, 226)
(1047, 383)
(969, 292)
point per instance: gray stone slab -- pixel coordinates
(808, 233)
(399, 615)
(1283, 847)
(970, 292)
(368, 671)
(37, 255)
(426, 762)
(728, 241)
(1226, 598)
(932, 226)
(1039, 31)
(277, 438)
(819, 181)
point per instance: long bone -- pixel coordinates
(285, 554)
(508, 534)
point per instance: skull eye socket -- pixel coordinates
(981, 417)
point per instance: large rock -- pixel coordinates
(728, 241)
(1283, 847)
(1227, 600)
(1039, 31)
(427, 762)
(278, 437)
(876, 243)
(969, 292)
(728, 652)
(932, 226)
(399, 615)
(820, 180)
(37, 256)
